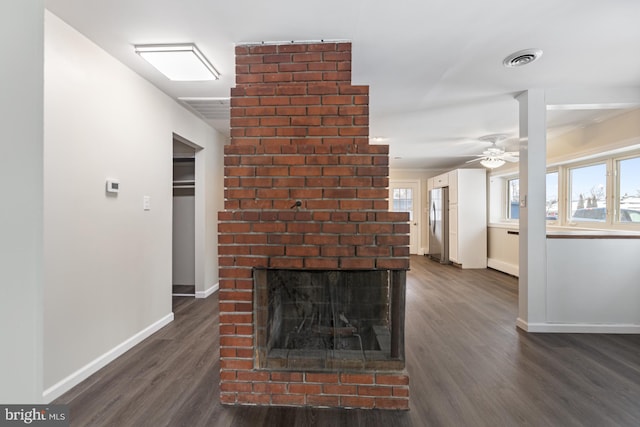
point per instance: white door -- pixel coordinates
(404, 196)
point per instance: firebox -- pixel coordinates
(328, 320)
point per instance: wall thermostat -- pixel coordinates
(113, 186)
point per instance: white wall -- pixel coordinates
(617, 132)
(592, 283)
(592, 286)
(503, 248)
(21, 46)
(107, 262)
(214, 202)
(184, 236)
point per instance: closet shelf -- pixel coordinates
(184, 184)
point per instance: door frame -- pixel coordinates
(417, 208)
(199, 220)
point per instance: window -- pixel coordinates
(403, 201)
(588, 193)
(513, 190)
(552, 196)
(629, 193)
(603, 194)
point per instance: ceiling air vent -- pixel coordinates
(209, 108)
(522, 57)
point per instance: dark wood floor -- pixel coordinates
(469, 366)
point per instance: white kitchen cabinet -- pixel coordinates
(430, 184)
(441, 180)
(453, 233)
(452, 179)
(468, 217)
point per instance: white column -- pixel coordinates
(21, 211)
(533, 247)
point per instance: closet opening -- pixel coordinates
(183, 231)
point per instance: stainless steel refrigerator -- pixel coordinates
(439, 224)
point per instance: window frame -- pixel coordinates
(507, 197)
(616, 196)
(507, 205)
(559, 195)
(568, 218)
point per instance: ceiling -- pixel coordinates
(434, 67)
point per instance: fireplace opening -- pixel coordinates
(329, 319)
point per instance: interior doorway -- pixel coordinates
(183, 278)
(404, 196)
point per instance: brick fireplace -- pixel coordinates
(312, 264)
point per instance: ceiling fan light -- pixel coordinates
(491, 163)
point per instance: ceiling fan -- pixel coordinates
(494, 156)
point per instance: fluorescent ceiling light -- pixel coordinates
(179, 62)
(491, 162)
(609, 106)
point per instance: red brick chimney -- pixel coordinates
(304, 190)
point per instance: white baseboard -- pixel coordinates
(207, 292)
(579, 328)
(522, 324)
(505, 267)
(94, 366)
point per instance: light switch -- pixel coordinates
(146, 203)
